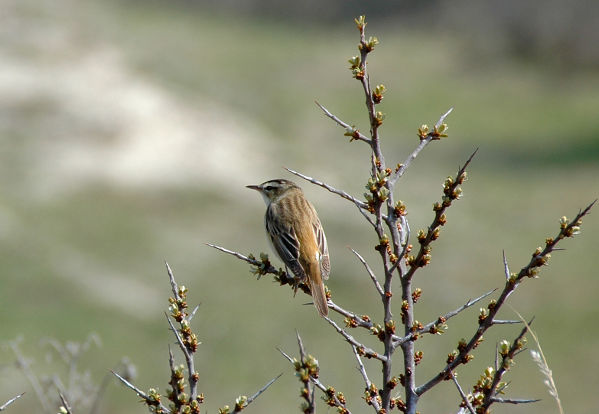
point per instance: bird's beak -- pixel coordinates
(254, 187)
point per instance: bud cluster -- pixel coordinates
(377, 190)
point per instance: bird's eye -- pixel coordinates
(269, 188)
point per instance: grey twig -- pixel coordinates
(423, 143)
(141, 394)
(333, 190)
(9, 402)
(356, 134)
(368, 352)
(464, 397)
(505, 322)
(514, 400)
(373, 398)
(264, 388)
(506, 268)
(171, 278)
(65, 404)
(447, 316)
(193, 312)
(377, 285)
(242, 403)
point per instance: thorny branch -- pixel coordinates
(540, 257)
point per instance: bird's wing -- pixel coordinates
(321, 239)
(285, 243)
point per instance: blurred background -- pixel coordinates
(128, 130)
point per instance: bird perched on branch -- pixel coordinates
(296, 235)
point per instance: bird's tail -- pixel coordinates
(318, 294)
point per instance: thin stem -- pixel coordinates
(373, 399)
(149, 401)
(368, 352)
(375, 281)
(464, 397)
(357, 135)
(333, 190)
(423, 143)
(9, 402)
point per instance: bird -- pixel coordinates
(296, 236)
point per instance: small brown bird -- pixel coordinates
(296, 235)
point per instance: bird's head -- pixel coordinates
(273, 189)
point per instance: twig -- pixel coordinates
(423, 143)
(377, 285)
(149, 401)
(243, 402)
(9, 402)
(193, 312)
(356, 134)
(506, 268)
(447, 316)
(368, 352)
(373, 399)
(333, 190)
(514, 400)
(65, 404)
(264, 388)
(317, 384)
(171, 279)
(464, 397)
(269, 270)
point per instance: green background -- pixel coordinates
(128, 131)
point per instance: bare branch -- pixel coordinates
(333, 190)
(357, 135)
(368, 352)
(240, 256)
(148, 400)
(65, 404)
(270, 269)
(506, 268)
(193, 312)
(242, 402)
(423, 143)
(377, 285)
(171, 278)
(9, 402)
(300, 345)
(505, 322)
(447, 316)
(464, 397)
(373, 398)
(513, 401)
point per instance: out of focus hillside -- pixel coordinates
(129, 129)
